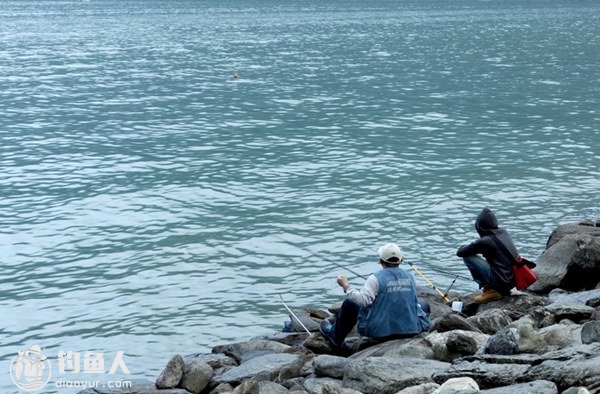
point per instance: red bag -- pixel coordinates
(524, 276)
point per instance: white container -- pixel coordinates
(457, 306)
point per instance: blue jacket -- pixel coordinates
(395, 310)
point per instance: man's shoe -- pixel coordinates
(487, 296)
(328, 331)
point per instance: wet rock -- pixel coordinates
(571, 367)
(265, 367)
(490, 321)
(576, 312)
(330, 366)
(416, 347)
(535, 387)
(448, 346)
(271, 388)
(487, 375)
(375, 375)
(425, 388)
(304, 317)
(217, 361)
(458, 386)
(571, 263)
(559, 335)
(243, 351)
(319, 385)
(248, 386)
(571, 229)
(453, 321)
(196, 377)
(563, 297)
(515, 306)
(504, 342)
(171, 376)
(293, 339)
(590, 332)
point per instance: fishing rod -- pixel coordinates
(322, 258)
(294, 315)
(427, 280)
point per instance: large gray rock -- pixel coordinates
(319, 385)
(425, 388)
(453, 321)
(577, 313)
(172, 374)
(590, 227)
(528, 337)
(535, 387)
(458, 386)
(515, 306)
(217, 361)
(304, 317)
(271, 388)
(265, 367)
(416, 347)
(504, 342)
(571, 263)
(563, 297)
(196, 377)
(243, 351)
(579, 369)
(486, 374)
(448, 346)
(560, 335)
(490, 321)
(248, 386)
(590, 332)
(385, 375)
(330, 366)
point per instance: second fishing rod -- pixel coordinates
(442, 294)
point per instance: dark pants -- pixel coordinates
(347, 317)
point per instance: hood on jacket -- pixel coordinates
(486, 222)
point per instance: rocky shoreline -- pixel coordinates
(545, 340)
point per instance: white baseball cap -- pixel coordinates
(388, 251)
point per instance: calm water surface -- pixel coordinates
(150, 203)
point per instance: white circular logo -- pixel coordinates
(30, 370)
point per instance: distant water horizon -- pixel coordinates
(170, 167)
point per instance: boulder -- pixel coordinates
(243, 351)
(559, 335)
(504, 342)
(322, 385)
(490, 321)
(590, 332)
(248, 386)
(425, 388)
(486, 374)
(217, 361)
(585, 227)
(528, 338)
(330, 366)
(304, 317)
(452, 321)
(271, 388)
(448, 346)
(416, 347)
(437, 304)
(196, 377)
(293, 339)
(515, 306)
(570, 367)
(386, 375)
(535, 387)
(571, 263)
(576, 312)
(563, 297)
(171, 376)
(265, 367)
(458, 386)
(221, 389)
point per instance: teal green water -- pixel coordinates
(149, 200)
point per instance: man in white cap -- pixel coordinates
(385, 308)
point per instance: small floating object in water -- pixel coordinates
(235, 76)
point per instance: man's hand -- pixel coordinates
(342, 281)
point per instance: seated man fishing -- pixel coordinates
(385, 308)
(494, 273)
